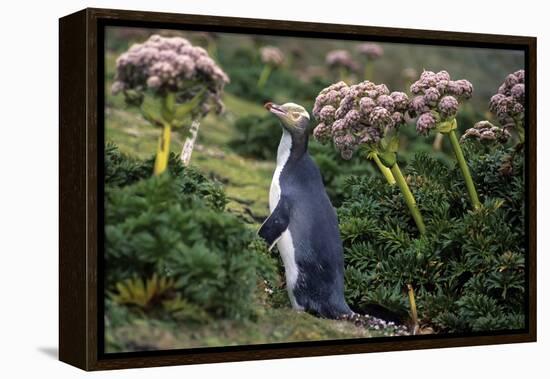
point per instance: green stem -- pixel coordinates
(383, 169)
(521, 131)
(264, 76)
(409, 198)
(212, 49)
(342, 74)
(414, 312)
(465, 170)
(163, 150)
(369, 70)
(408, 84)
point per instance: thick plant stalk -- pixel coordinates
(465, 170)
(409, 198)
(163, 150)
(190, 143)
(369, 71)
(414, 313)
(264, 76)
(212, 49)
(383, 169)
(342, 74)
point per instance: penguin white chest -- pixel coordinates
(275, 190)
(283, 153)
(285, 244)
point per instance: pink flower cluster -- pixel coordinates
(272, 55)
(357, 114)
(436, 99)
(370, 50)
(484, 131)
(171, 64)
(341, 58)
(509, 102)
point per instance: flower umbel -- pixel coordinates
(272, 55)
(341, 58)
(486, 132)
(363, 112)
(370, 50)
(437, 94)
(171, 64)
(508, 104)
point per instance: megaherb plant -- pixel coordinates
(435, 105)
(272, 57)
(366, 117)
(508, 104)
(465, 272)
(371, 52)
(172, 82)
(341, 63)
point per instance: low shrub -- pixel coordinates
(257, 136)
(170, 248)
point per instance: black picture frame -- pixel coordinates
(81, 84)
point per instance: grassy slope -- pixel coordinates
(274, 326)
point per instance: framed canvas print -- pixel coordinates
(238, 189)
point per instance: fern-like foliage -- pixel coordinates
(468, 271)
(143, 293)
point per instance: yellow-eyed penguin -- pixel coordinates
(303, 222)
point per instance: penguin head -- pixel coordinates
(294, 117)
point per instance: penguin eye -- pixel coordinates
(295, 115)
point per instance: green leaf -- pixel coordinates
(168, 106)
(446, 126)
(133, 97)
(150, 111)
(182, 110)
(388, 158)
(393, 144)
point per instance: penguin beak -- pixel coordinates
(275, 109)
(283, 115)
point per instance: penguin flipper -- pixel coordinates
(277, 222)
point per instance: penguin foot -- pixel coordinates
(389, 328)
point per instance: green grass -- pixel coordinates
(275, 325)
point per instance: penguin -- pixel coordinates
(303, 223)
